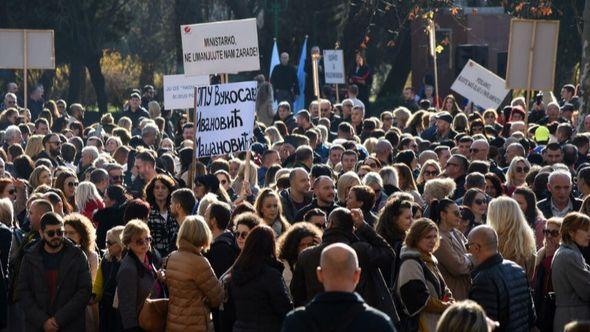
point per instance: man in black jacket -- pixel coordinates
(500, 286)
(560, 200)
(54, 284)
(339, 308)
(372, 252)
(224, 250)
(284, 81)
(297, 196)
(52, 150)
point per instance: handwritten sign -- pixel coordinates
(179, 90)
(480, 85)
(224, 118)
(334, 67)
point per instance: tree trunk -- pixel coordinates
(400, 65)
(585, 64)
(76, 82)
(98, 82)
(147, 73)
(47, 81)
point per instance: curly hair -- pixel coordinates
(84, 228)
(387, 225)
(288, 243)
(148, 191)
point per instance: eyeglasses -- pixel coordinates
(553, 233)
(144, 241)
(479, 201)
(57, 232)
(72, 184)
(241, 235)
(430, 173)
(522, 169)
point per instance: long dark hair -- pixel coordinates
(149, 189)
(438, 206)
(531, 212)
(387, 225)
(259, 248)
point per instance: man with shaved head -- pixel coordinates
(345, 227)
(339, 307)
(500, 286)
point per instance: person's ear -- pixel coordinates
(357, 276)
(319, 274)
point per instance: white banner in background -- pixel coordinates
(179, 90)
(481, 86)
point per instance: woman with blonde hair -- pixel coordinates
(343, 185)
(247, 189)
(34, 146)
(79, 230)
(272, 133)
(516, 175)
(105, 283)
(465, 316)
(268, 207)
(125, 122)
(438, 189)
(154, 109)
(401, 116)
(516, 240)
(430, 170)
(194, 288)
(112, 144)
(406, 181)
(88, 199)
(40, 175)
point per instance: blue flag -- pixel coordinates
(274, 59)
(300, 101)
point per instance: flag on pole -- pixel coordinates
(299, 103)
(274, 58)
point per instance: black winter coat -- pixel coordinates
(500, 286)
(74, 287)
(337, 311)
(260, 297)
(545, 206)
(223, 253)
(106, 219)
(373, 252)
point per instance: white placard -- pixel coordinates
(334, 67)
(481, 86)
(179, 90)
(220, 48)
(225, 118)
(40, 49)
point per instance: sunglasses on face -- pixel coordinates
(72, 184)
(144, 241)
(241, 235)
(430, 173)
(522, 169)
(553, 233)
(58, 233)
(479, 201)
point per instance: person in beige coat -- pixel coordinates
(454, 262)
(192, 284)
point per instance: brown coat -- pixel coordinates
(454, 263)
(193, 289)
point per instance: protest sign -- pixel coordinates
(481, 86)
(334, 67)
(220, 47)
(532, 54)
(29, 49)
(179, 90)
(224, 118)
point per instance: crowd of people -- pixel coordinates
(417, 219)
